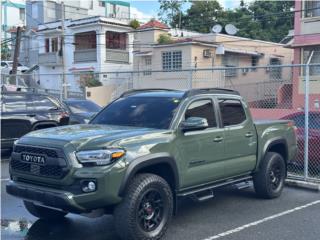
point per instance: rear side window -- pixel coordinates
(232, 112)
(42, 103)
(16, 103)
(203, 109)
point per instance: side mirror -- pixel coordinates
(194, 123)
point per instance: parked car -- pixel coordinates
(314, 136)
(6, 67)
(22, 112)
(81, 111)
(145, 150)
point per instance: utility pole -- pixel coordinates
(64, 82)
(16, 52)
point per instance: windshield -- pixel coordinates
(83, 106)
(149, 112)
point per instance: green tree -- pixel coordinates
(201, 16)
(164, 39)
(5, 51)
(264, 20)
(89, 80)
(134, 24)
(169, 9)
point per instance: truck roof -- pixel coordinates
(160, 92)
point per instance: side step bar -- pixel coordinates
(203, 196)
(214, 185)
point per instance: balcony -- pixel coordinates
(85, 55)
(117, 56)
(50, 59)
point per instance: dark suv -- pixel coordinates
(22, 112)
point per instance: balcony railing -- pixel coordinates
(85, 55)
(50, 59)
(116, 55)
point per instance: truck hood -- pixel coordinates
(88, 135)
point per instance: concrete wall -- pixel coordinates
(100, 95)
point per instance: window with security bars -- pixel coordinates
(230, 61)
(148, 63)
(85, 40)
(172, 60)
(312, 9)
(306, 53)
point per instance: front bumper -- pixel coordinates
(51, 198)
(66, 191)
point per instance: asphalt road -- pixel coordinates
(232, 214)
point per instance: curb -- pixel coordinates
(301, 184)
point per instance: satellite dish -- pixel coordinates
(217, 28)
(231, 29)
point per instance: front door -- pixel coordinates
(202, 151)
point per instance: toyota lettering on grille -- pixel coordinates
(31, 158)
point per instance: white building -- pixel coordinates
(92, 45)
(12, 16)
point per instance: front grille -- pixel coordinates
(49, 152)
(55, 166)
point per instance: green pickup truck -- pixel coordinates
(144, 151)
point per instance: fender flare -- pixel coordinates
(146, 161)
(272, 142)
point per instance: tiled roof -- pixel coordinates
(153, 24)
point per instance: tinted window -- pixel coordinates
(42, 103)
(232, 112)
(203, 109)
(16, 103)
(82, 106)
(149, 112)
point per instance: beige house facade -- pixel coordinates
(168, 65)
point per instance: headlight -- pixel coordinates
(100, 157)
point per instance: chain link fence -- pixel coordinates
(272, 92)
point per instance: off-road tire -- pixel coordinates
(126, 215)
(269, 180)
(43, 212)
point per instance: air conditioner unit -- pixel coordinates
(207, 53)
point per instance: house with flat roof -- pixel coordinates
(163, 64)
(93, 45)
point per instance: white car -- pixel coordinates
(6, 67)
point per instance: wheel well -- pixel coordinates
(163, 170)
(281, 149)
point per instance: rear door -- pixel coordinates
(240, 137)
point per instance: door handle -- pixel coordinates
(218, 139)
(31, 115)
(249, 134)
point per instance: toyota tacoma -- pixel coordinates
(143, 152)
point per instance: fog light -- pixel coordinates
(88, 186)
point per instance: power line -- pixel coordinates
(194, 37)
